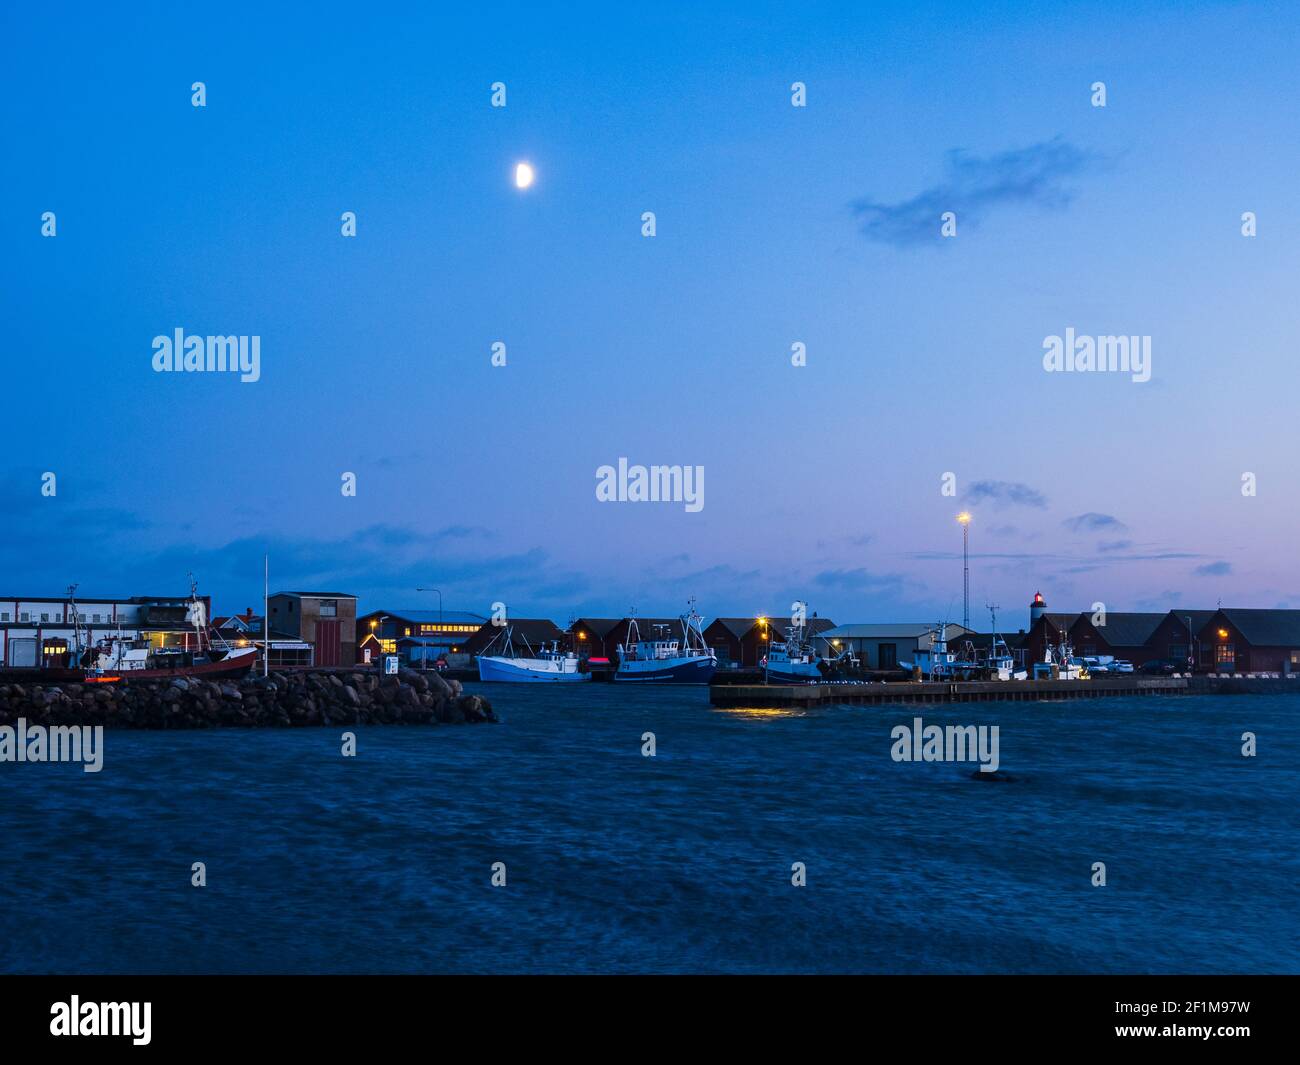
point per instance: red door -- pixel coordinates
(328, 643)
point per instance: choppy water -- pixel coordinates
(681, 862)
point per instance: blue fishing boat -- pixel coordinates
(665, 659)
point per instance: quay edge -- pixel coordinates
(793, 696)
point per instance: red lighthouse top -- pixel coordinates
(1038, 597)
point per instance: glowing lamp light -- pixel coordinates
(1223, 634)
(523, 175)
(964, 517)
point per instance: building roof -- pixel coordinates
(778, 623)
(602, 627)
(527, 628)
(429, 617)
(1267, 628)
(1127, 629)
(984, 640)
(238, 621)
(315, 595)
(903, 630)
(134, 600)
(736, 626)
(1199, 618)
(646, 627)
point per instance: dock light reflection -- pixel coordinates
(759, 713)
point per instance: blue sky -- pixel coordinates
(775, 224)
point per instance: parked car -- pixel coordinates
(1121, 666)
(1160, 667)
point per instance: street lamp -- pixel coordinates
(424, 658)
(964, 520)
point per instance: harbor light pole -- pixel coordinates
(424, 658)
(964, 519)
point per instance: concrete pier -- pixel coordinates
(975, 691)
(771, 695)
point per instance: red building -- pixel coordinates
(1121, 635)
(742, 643)
(1225, 640)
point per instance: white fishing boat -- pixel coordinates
(938, 662)
(666, 660)
(1001, 663)
(548, 665)
(1059, 662)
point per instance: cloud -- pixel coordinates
(974, 187)
(1093, 522)
(858, 580)
(1213, 569)
(1006, 493)
(1114, 545)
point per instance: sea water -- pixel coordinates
(615, 861)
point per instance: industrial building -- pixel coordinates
(326, 620)
(885, 645)
(419, 636)
(45, 630)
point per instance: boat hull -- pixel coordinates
(794, 673)
(515, 671)
(667, 671)
(226, 669)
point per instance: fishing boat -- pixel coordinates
(794, 661)
(548, 665)
(939, 662)
(133, 658)
(1001, 664)
(1059, 662)
(665, 659)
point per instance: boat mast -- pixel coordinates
(76, 624)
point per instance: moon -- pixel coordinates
(523, 175)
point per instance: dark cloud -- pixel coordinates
(1213, 569)
(858, 580)
(1006, 493)
(974, 187)
(1094, 522)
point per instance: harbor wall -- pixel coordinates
(282, 700)
(912, 692)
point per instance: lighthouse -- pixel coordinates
(1037, 608)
